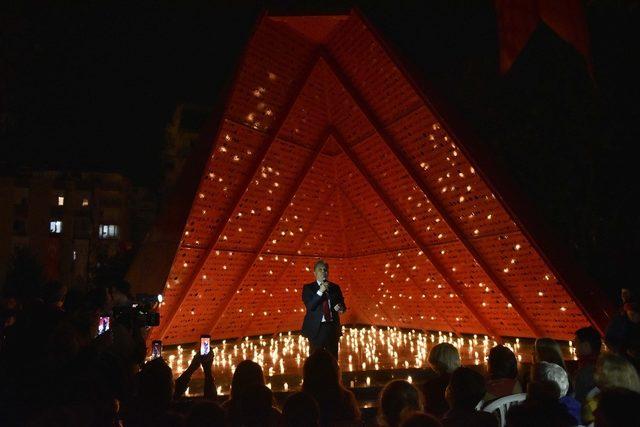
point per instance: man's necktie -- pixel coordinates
(326, 310)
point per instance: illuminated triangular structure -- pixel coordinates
(327, 149)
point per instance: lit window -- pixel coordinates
(108, 231)
(60, 200)
(75, 255)
(85, 202)
(55, 227)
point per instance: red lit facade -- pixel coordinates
(327, 149)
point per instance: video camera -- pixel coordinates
(140, 312)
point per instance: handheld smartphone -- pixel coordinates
(103, 324)
(156, 349)
(205, 344)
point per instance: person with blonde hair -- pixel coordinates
(612, 371)
(443, 359)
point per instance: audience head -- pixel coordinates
(255, 404)
(630, 304)
(545, 371)
(613, 370)
(156, 383)
(616, 406)
(301, 410)
(54, 294)
(588, 342)
(98, 299)
(7, 318)
(398, 399)
(320, 373)
(444, 358)
(119, 292)
(205, 414)
(627, 295)
(502, 363)
(548, 350)
(420, 419)
(466, 389)
(632, 310)
(247, 374)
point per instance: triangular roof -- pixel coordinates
(328, 149)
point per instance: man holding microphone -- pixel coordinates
(324, 303)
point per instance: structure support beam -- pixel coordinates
(347, 249)
(263, 134)
(272, 226)
(416, 238)
(381, 307)
(243, 187)
(419, 180)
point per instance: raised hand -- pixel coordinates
(324, 286)
(195, 362)
(206, 361)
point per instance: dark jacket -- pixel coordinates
(433, 390)
(313, 302)
(620, 332)
(574, 408)
(469, 418)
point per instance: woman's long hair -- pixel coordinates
(397, 400)
(321, 375)
(548, 350)
(248, 373)
(321, 379)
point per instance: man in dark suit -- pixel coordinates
(324, 303)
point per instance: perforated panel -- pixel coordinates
(274, 61)
(335, 155)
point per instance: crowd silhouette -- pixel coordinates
(56, 370)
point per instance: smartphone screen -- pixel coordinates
(205, 344)
(103, 324)
(156, 349)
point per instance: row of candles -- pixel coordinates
(361, 349)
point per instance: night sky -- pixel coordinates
(92, 85)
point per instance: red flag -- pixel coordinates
(518, 19)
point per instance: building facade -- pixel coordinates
(71, 221)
